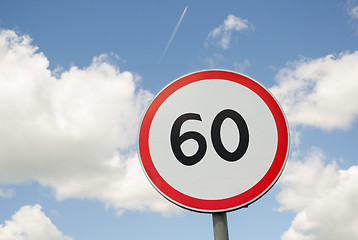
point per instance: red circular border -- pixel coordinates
(217, 205)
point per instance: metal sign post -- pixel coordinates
(220, 226)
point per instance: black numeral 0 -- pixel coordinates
(216, 137)
(176, 139)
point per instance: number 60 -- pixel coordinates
(176, 139)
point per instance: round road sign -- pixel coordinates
(213, 141)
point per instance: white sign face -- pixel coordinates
(213, 141)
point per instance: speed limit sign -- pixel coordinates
(213, 141)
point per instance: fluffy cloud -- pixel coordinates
(75, 133)
(354, 12)
(321, 92)
(324, 197)
(352, 9)
(7, 193)
(241, 67)
(30, 223)
(222, 34)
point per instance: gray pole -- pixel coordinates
(220, 227)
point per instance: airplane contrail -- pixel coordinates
(173, 34)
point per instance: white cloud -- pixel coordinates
(214, 60)
(222, 34)
(352, 9)
(30, 223)
(354, 12)
(300, 174)
(323, 196)
(75, 133)
(7, 193)
(320, 92)
(241, 67)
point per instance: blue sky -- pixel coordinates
(76, 77)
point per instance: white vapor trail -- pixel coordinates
(173, 34)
